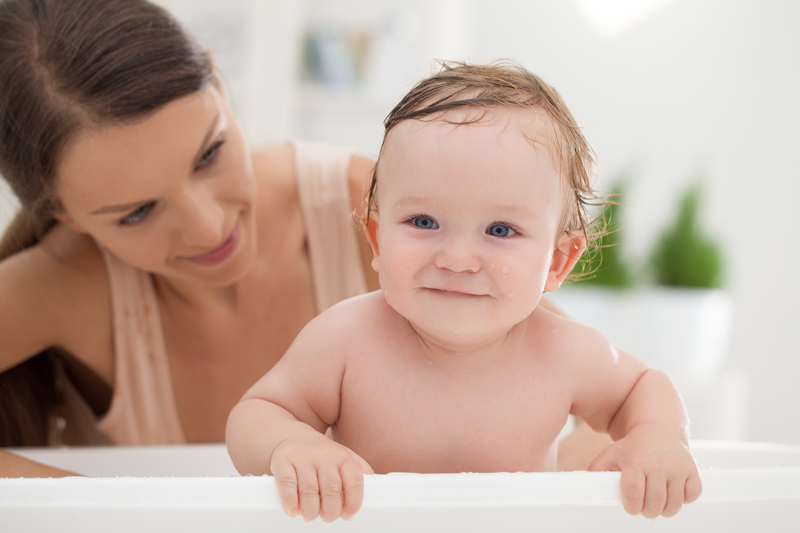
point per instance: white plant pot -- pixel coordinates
(682, 331)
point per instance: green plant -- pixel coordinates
(606, 262)
(683, 255)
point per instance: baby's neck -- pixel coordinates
(465, 352)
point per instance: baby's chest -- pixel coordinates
(471, 425)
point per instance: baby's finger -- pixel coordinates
(632, 484)
(655, 495)
(675, 492)
(693, 488)
(330, 490)
(605, 462)
(361, 463)
(286, 480)
(308, 490)
(353, 482)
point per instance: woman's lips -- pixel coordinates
(220, 254)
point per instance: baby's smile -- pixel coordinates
(465, 224)
(453, 292)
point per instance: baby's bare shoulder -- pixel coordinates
(314, 366)
(567, 339)
(578, 354)
(350, 324)
(562, 329)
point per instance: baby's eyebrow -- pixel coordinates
(515, 211)
(410, 201)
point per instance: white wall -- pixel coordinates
(699, 85)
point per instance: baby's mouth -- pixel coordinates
(453, 291)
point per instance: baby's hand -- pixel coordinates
(318, 477)
(659, 474)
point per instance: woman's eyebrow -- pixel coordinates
(119, 208)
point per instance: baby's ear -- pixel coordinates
(569, 248)
(372, 239)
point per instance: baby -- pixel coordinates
(476, 208)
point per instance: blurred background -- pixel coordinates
(671, 95)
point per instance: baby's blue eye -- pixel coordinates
(500, 230)
(137, 215)
(425, 223)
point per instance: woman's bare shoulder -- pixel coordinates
(56, 294)
(273, 168)
(274, 164)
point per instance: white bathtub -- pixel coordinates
(746, 487)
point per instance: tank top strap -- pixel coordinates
(143, 409)
(322, 180)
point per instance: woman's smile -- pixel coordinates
(221, 253)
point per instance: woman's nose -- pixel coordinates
(458, 255)
(203, 219)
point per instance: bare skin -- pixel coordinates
(223, 325)
(453, 366)
(16, 466)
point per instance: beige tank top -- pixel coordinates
(143, 409)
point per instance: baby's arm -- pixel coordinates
(278, 428)
(647, 419)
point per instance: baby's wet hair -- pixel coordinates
(506, 85)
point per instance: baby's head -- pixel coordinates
(476, 91)
(478, 199)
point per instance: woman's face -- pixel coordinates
(173, 195)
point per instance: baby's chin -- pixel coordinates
(462, 320)
(460, 334)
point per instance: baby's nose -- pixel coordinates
(458, 256)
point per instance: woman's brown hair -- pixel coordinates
(66, 65)
(505, 84)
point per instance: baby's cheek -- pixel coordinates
(539, 281)
(521, 295)
(392, 283)
(526, 303)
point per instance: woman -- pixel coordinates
(157, 266)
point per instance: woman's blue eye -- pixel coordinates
(210, 155)
(425, 223)
(500, 230)
(137, 215)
